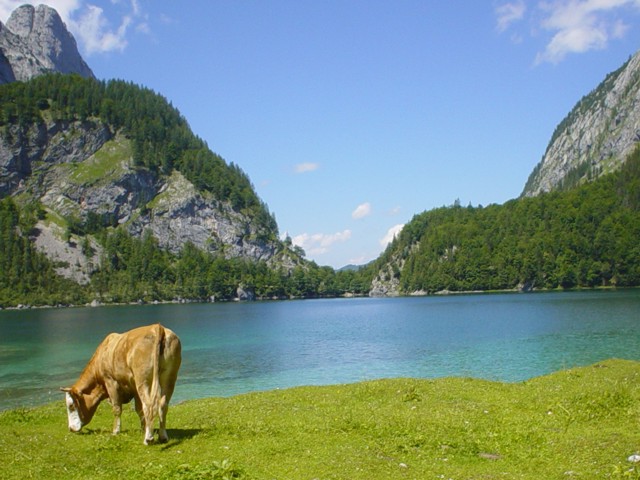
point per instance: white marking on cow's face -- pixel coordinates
(75, 424)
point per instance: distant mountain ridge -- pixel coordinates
(36, 41)
(595, 137)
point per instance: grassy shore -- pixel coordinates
(581, 423)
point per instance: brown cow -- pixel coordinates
(140, 364)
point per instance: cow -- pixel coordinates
(141, 364)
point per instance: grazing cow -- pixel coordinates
(141, 364)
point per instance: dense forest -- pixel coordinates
(583, 237)
(26, 275)
(586, 236)
(131, 269)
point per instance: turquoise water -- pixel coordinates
(234, 348)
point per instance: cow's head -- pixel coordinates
(74, 410)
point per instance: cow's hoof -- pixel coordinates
(163, 439)
(149, 441)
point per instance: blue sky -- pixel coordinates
(350, 116)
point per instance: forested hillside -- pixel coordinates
(581, 237)
(161, 137)
(123, 266)
(585, 237)
(130, 269)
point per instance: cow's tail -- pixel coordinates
(155, 383)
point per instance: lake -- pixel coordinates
(233, 348)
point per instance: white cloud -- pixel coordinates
(391, 234)
(92, 31)
(166, 19)
(319, 243)
(574, 26)
(361, 260)
(305, 167)
(579, 26)
(361, 211)
(509, 13)
(90, 24)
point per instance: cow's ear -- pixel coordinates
(65, 389)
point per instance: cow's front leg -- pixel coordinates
(117, 411)
(115, 398)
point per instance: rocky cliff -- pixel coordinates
(80, 169)
(596, 136)
(36, 41)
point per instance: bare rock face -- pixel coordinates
(36, 41)
(178, 214)
(596, 136)
(81, 169)
(31, 151)
(386, 283)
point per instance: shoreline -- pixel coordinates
(598, 364)
(418, 293)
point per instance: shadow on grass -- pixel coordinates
(176, 435)
(179, 435)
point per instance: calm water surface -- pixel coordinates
(240, 347)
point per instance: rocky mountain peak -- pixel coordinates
(34, 41)
(23, 19)
(596, 136)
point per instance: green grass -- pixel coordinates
(106, 164)
(581, 423)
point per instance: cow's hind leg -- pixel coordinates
(148, 432)
(148, 426)
(148, 415)
(162, 431)
(167, 392)
(139, 411)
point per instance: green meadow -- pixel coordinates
(581, 423)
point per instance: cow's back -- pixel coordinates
(128, 358)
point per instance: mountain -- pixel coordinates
(595, 137)
(582, 233)
(350, 268)
(106, 195)
(98, 155)
(585, 237)
(36, 41)
(111, 154)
